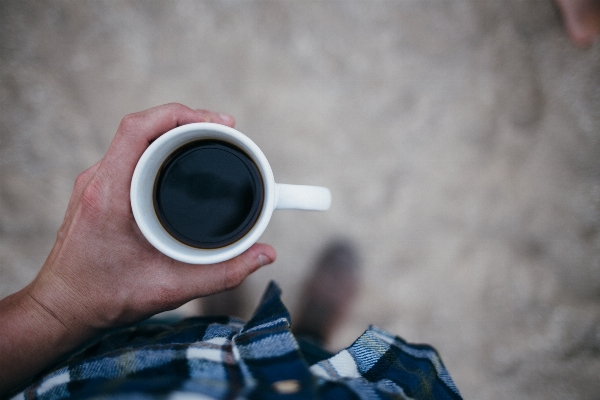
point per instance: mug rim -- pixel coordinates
(142, 192)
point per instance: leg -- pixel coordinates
(328, 293)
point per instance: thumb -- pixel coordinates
(204, 280)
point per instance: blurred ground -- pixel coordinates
(460, 139)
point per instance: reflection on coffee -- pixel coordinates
(208, 194)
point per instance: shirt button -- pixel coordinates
(287, 386)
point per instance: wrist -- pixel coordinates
(53, 306)
(31, 339)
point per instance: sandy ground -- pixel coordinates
(460, 139)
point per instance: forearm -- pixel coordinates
(31, 339)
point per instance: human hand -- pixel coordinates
(102, 272)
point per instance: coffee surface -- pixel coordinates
(208, 194)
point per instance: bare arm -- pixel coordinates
(101, 272)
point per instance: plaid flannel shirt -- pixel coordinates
(225, 358)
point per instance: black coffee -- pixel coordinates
(208, 194)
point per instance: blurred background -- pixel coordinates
(460, 139)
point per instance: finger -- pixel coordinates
(196, 281)
(218, 118)
(136, 131)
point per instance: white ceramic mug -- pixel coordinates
(276, 195)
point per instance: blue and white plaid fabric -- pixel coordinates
(225, 358)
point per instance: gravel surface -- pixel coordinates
(460, 139)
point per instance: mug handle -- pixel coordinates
(301, 197)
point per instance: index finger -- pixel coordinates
(136, 132)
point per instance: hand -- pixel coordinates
(102, 272)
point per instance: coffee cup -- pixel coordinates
(203, 193)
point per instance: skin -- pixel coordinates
(102, 273)
(581, 19)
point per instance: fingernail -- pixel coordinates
(226, 117)
(264, 260)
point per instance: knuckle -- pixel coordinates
(130, 123)
(174, 110)
(93, 198)
(81, 179)
(175, 107)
